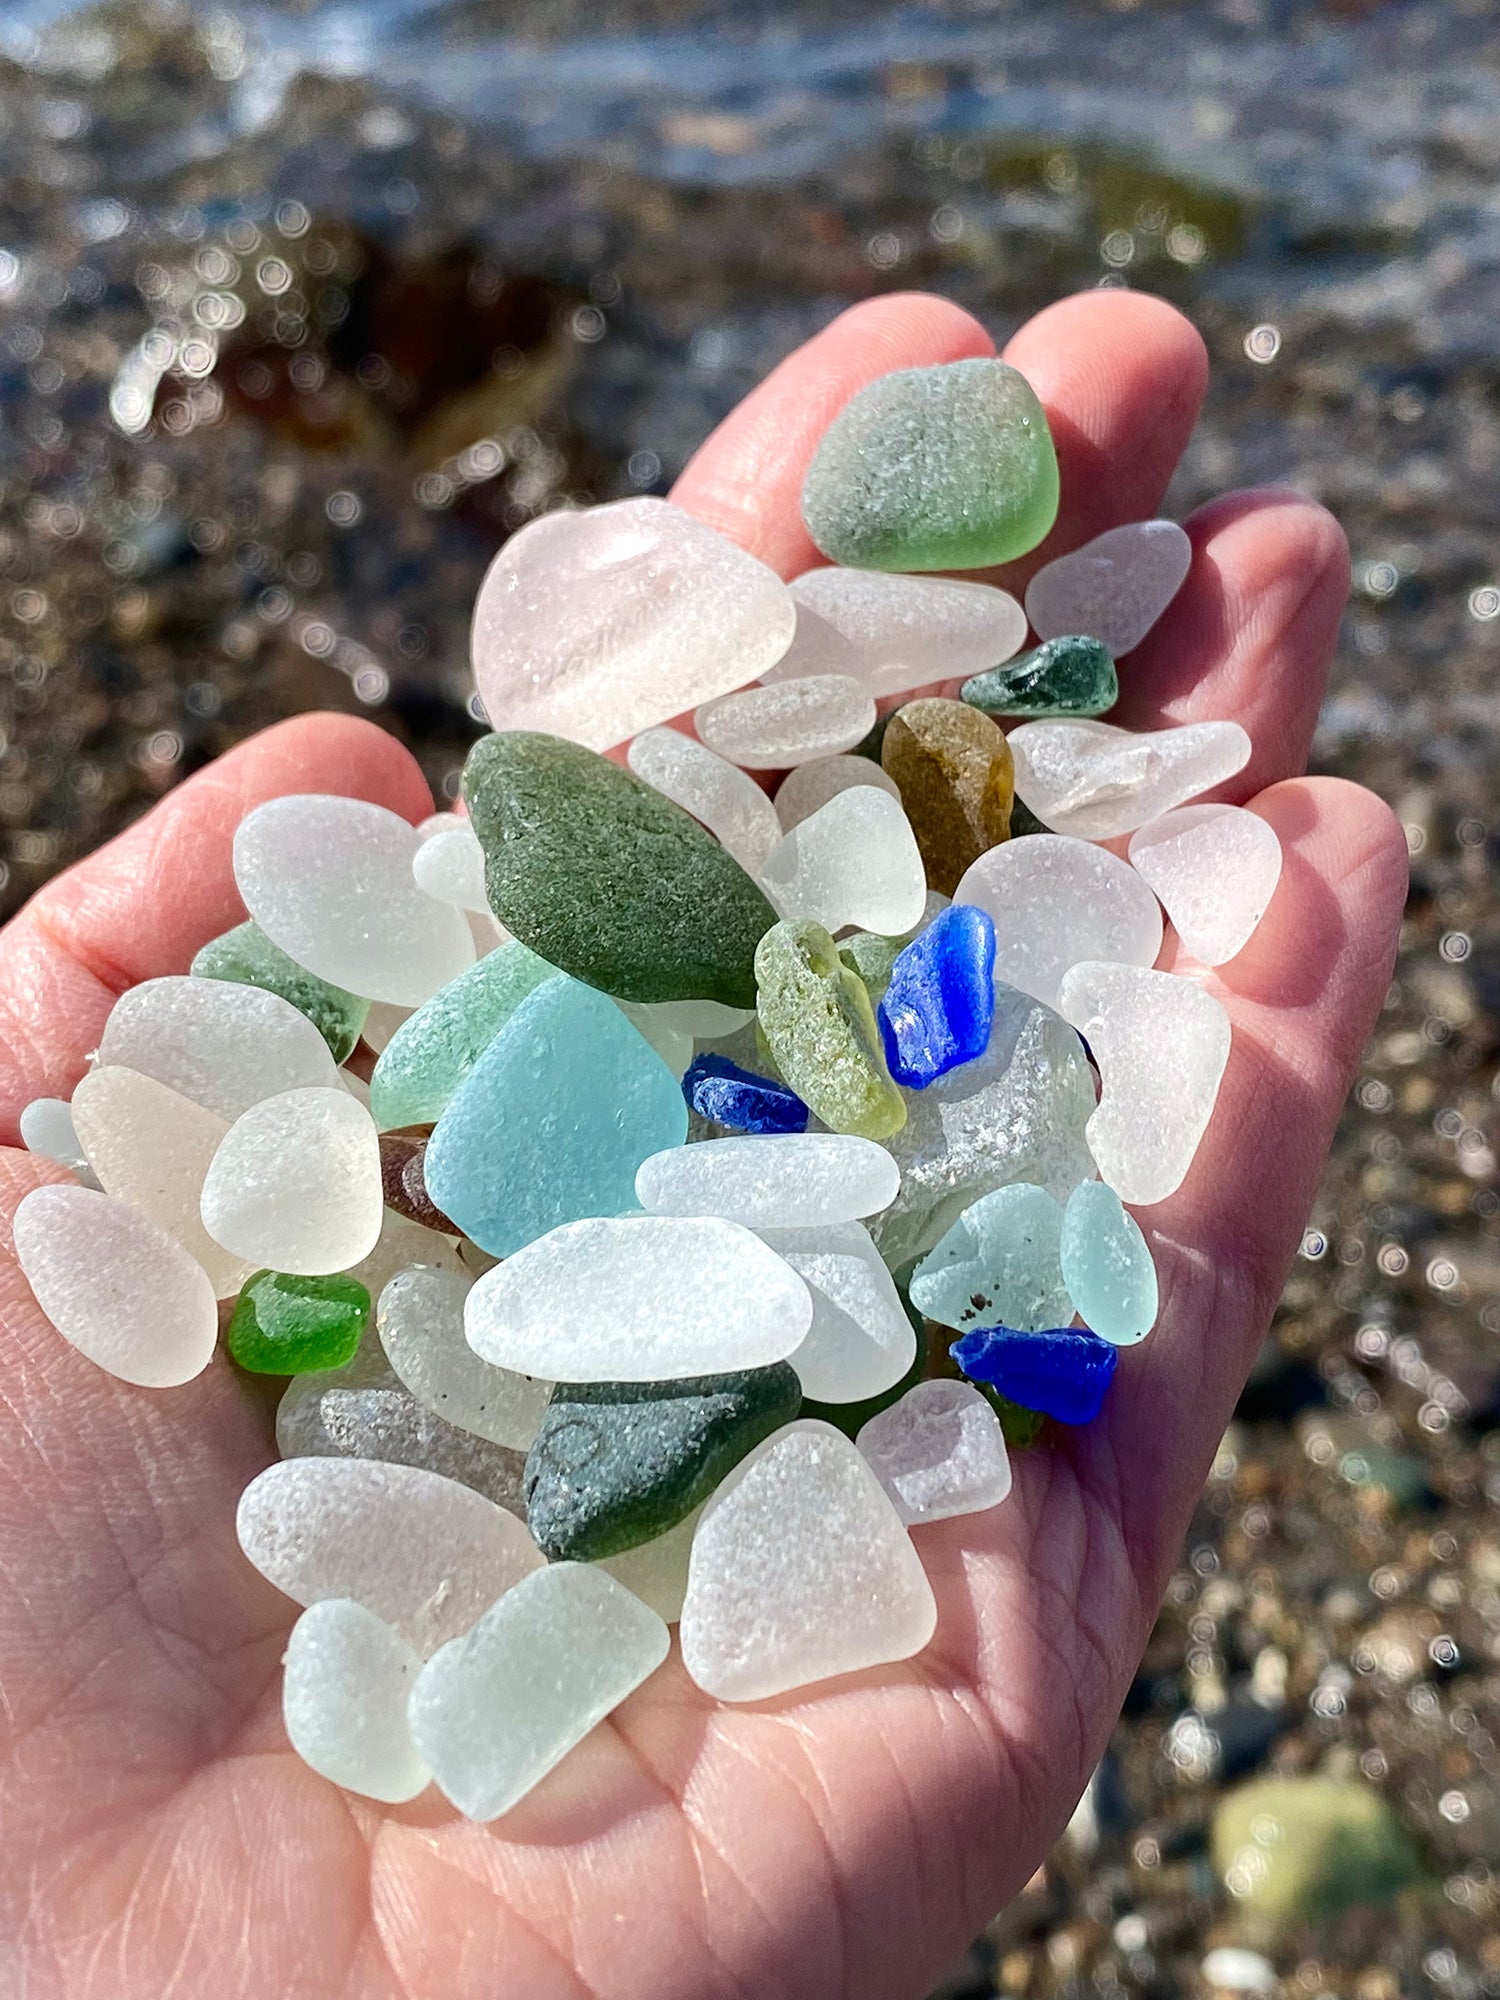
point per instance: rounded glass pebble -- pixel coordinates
(775, 1181)
(1215, 869)
(715, 791)
(1107, 1266)
(47, 1129)
(787, 722)
(907, 632)
(420, 1317)
(295, 1185)
(802, 791)
(348, 1678)
(854, 861)
(999, 1265)
(861, 1341)
(284, 1325)
(224, 1046)
(449, 866)
(1096, 781)
(938, 1452)
(1114, 588)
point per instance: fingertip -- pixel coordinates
(330, 752)
(1086, 335)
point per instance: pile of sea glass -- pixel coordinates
(668, 1185)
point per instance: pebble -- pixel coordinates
(787, 722)
(801, 1569)
(420, 1319)
(1215, 869)
(854, 861)
(1161, 1044)
(953, 768)
(776, 1182)
(861, 1341)
(1000, 1264)
(434, 1049)
(820, 1028)
(598, 622)
(285, 1325)
(716, 792)
(385, 1422)
(1114, 588)
(1062, 1372)
(403, 1182)
(938, 1452)
(724, 1094)
(949, 467)
(615, 1464)
(1057, 901)
(47, 1130)
(802, 791)
(657, 1571)
(226, 1047)
(1106, 1265)
(422, 1552)
(939, 1003)
(906, 632)
(492, 1713)
(347, 1682)
(1071, 675)
(607, 879)
(295, 1184)
(245, 956)
(116, 1286)
(641, 1298)
(552, 1121)
(330, 881)
(1096, 781)
(449, 866)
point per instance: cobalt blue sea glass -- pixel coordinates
(1063, 1372)
(938, 1008)
(722, 1092)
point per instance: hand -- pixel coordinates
(157, 1836)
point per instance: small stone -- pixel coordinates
(778, 1182)
(385, 1422)
(724, 1094)
(420, 1317)
(787, 722)
(861, 1341)
(449, 865)
(224, 1046)
(643, 1298)
(1096, 781)
(1114, 588)
(1161, 1044)
(801, 1569)
(1057, 901)
(1216, 869)
(657, 1571)
(853, 861)
(938, 1453)
(803, 791)
(907, 632)
(245, 956)
(953, 767)
(347, 1681)
(422, 1552)
(285, 1325)
(717, 794)
(1302, 1848)
(403, 1182)
(433, 1050)
(295, 1184)
(949, 467)
(1070, 675)
(330, 881)
(598, 622)
(47, 1130)
(1063, 1372)
(116, 1286)
(495, 1711)
(607, 879)
(1106, 1265)
(999, 1263)
(820, 1028)
(552, 1121)
(615, 1464)
(939, 1004)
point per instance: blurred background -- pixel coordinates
(303, 308)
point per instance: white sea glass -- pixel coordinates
(1114, 588)
(910, 631)
(938, 1452)
(787, 722)
(347, 1680)
(223, 1045)
(449, 865)
(860, 1342)
(420, 1318)
(295, 1184)
(716, 792)
(855, 861)
(1096, 781)
(772, 1181)
(1216, 869)
(802, 791)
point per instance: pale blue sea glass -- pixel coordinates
(998, 1265)
(1106, 1265)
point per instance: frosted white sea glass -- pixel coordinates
(346, 1682)
(716, 792)
(787, 722)
(854, 861)
(1114, 588)
(1215, 868)
(295, 1184)
(223, 1045)
(772, 1181)
(420, 1317)
(46, 1126)
(910, 631)
(802, 791)
(449, 865)
(1055, 901)
(938, 1452)
(1096, 781)
(860, 1342)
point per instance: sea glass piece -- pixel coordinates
(1000, 1263)
(816, 648)
(47, 1129)
(939, 1003)
(639, 1298)
(422, 1552)
(861, 1341)
(803, 791)
(552, 1121)
(953, 768)
(1161, 1044)
(656, 1027)
(245, 956)
(872, 958)
(347, 1680)
(1071, 675)
(1057, 901)
(909, 631)
(820, 1028)
(1215, 868)
(1062, 1372)
(657, 1571)
(420, 1316)
(787, 722)
(615, 1464)
(853, 861)
(285, 1325)
(938, 1452)
(1106, 1265)
(117, 1286)
(434, 1049)
(724, 1094)
(403, 1182)
(777, 1182)
(801, 1569)
(224, 1046)
(607, 879)
(1096, 781)
(1114, 588)
(732, 806)
(295, 1184)
(330, 880)
(449, 865)
(493, 1712)
(385, 1422)
(599, 622)
(949, 467)
(403, 1242)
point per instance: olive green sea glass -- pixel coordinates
(820, 1028)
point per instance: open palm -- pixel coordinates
(157, 1836)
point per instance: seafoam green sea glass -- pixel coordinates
(1106, 1265)
(999, 1265)
(247, 957)
(434, 1049)
(820, 1026)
